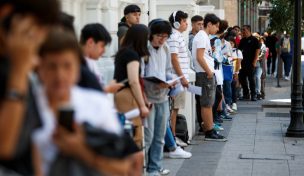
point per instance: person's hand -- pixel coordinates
(209, 75)
(144, 111)
(163, 86)
(235, 76)
(23, 42)
(184, 82)
(113, 87)
(70, 143)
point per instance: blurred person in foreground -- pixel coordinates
(23, 27)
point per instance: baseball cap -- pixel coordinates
(131, 8)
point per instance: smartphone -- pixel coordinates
(66, 117)
(124, 81)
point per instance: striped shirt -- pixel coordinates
(178, 46)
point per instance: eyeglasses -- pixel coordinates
(161, 36)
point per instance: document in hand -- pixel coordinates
(195, 90)
(157, 80)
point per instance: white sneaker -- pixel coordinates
(229, 109)
(164, 171)
(180, 142)
(234, 106)
(179, 153)
(287, 78)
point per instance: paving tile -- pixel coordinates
(270, 168)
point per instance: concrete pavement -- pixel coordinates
(256, 144)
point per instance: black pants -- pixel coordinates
(218, 98)
(234, 91)
(272, 60)
(198, 110)
(247, 72)
(287, 59)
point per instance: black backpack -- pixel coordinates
(181, 129)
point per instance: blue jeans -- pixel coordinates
(227, 92)
(287, 59)
(257, 75)
(155, 134)
(169, 139)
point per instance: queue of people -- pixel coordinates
(54, 112)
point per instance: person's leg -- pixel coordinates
(174, 113)
(169, 139)
(251, 79)
(274, 58)
(227, 92)
(217, 102)
(233, 91)
(178, 103)
(149, 133)
(198, 112)
(244, 82)
(283, 56)
(268, 63)
(157, 145)
(288, 64)
(258, 74)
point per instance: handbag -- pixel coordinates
(228, 72)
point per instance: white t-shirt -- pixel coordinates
(89, 105)
(92, 64)
(201, 40)
(177, 45)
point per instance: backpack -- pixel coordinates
(181, 129)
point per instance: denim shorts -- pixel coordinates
(208, 89)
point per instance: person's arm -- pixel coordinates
(133, 77)
(21, 49)
(178, 70)
(201, 60)
(37, 161)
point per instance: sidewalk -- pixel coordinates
(256, 144)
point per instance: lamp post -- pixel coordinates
(296, 126)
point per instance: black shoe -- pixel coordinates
(217, 119)
(259, 97)
(253, 99)
(212, 135)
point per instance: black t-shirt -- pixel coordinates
(248, 46)
(22, 159)
(122, 59)
(88, 79)
(271, 42)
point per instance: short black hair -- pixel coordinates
(95, 31)
(223, 26)
(178, 17)
(45, 11)
(234, 27)
(137, 39)
(66, 21)
(211, 18)
(247, 27)
(58, 41)
(196, 18)
(159, 26)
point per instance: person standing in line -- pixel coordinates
(260, 71)
(286, 54)
(131, 17)
(197, 23)
(271, 41)
(250, 48)
(94, 38)
(180, 62)
(204, 68)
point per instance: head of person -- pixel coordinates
(40, 15)
(287, 35)
(137, 39)
(222, 28)
(237, 29)
(197, 23)
(178, 20)
(211, 23)
(265, 34)
(233, 43)
(60, 57)
(246, 31)
(132, 14)
(261, 39)
(94, 38)
(160, 30)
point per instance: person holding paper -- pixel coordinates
(157, 65)
(180, 62)
(204, 68)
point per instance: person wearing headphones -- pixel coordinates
(131, 16)
(180, 62)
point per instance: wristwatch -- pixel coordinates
(15, 95)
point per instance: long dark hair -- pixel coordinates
(137, 39)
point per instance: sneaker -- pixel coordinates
(218, 119)
(179, 153)
(164, 171)
(217, 127)
(254, 99)
(212, 135)
(234, 106)
(226, 117)
(286, 78)
(179, 142)
(259, 96)
(229, 110)
(245, 98)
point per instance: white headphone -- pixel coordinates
(176, 24)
